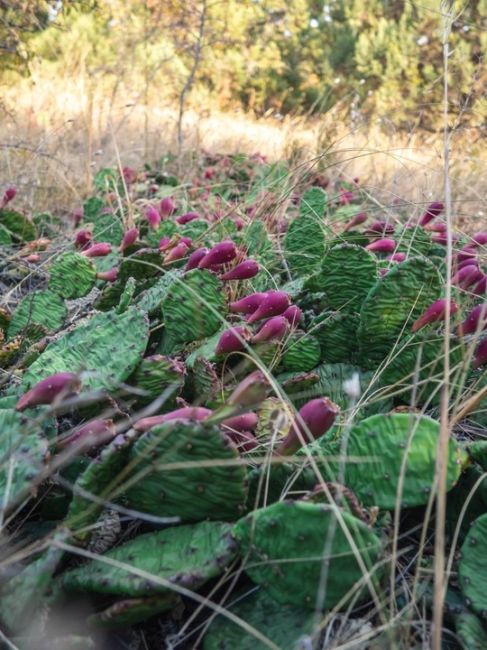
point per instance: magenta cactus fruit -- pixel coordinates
(382, 246)
(244, 422)
(177, 253)
(195, 413)
(274, 304)
(129, 238)
(468, 252)
(239, 223)
(195, 258)
(243, 271)
(187, 217)
(475, 321)
(77, 216)
(438, 226)
(48, 389)
(359, 218)
(480, 356)
(480, 238)
(273, 329)
(397, 257)
(8, 196)
(108, 276)
(243, 440)
(166, 207)
(250, 391)
(468, 262)
(165, 244)
(233, 340)
(129, 175)
(481, 287)
(380, 227)
(98, 250)
(153, 217)
(467, 276)
(314, 419)
(91, 434)
(435, 312)
(432, 211)
(442, 238)
(247, 305)
(83, 239)
(294, 315)
(222, 253)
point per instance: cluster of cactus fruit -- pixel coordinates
(207, 406)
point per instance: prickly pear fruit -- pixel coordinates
(195, 413)
(243, 422)
(187, 217)
(359, 218)
(8, 196)
(476, 320)
(223, 252)
(247, 305)
(46, 391)
(83, 238)
(467, 276)
(273, 329)
(153, 217)
(166, 207)
(294, 315)
(243, 271)
(233, 340)
(129, 238)
(382, 246)
(98, 250)
(274, 304)
(250, 391)
(433, 313)
(108, 276)
(480, 357)
(432, 211)
(314, 419)
(195, 258)
(91, 434)
(177, 253)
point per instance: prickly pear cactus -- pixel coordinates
(16, 227)
(346, 276)
(314, 202)
(208, 481)
(336, 333)
(471, 566)
(194, 307)
(288, 545)
(24, 451)
(388, 447)
(286, 626)
(393, 304)
(44, 308)
(301, 352)
(107, 346)
(470, 631)
(156, 373)
(72, 275)
(150, 299)
(304, 244)
(149, 564)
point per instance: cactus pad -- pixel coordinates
(72, 275)
(378, 445)
(44, 308)
(189, 471)
(472, 566)
(289, 543)
(285, 625)
(393, 304)
(304, 244)
(194, 307)
(346, 276)
(17, 226)
(336, 333)
(301, 352)
(470, 631)
(156, 373)
(108, 346)
(185, 555)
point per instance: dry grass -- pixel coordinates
(55, 134)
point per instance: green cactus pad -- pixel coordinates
(194, 307)
(393, 304)
(143, 264)
(415, 241)
(274, 482)
(166, 228)
(285, 548)
(127, 295)
(313, 202)
(415, 369)
(108, 346)
(151, 299)
(256, 239)
(27, 590)
(99, 480)
(207, 480)
(107, 227)
(72, 275)
(17, 226)
(301, 352)
(125, 613)
(304, 244)
(23, 452)
(45, 308)
(346, 276)
(378, 445)
(207, 384)
(284, 625)
(185, 555)
(470, 488)
(195, 229)
(472, 565)
(156, 373)
(470, 631)
(336, 333)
